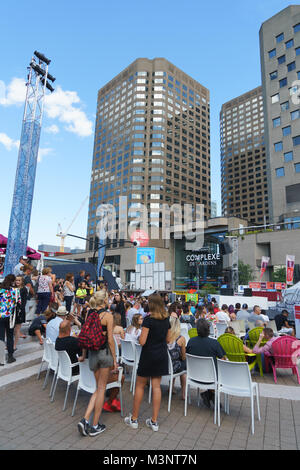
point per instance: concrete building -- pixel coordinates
(280, 70)
(243, 158)
(152, 146)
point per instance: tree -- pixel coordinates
(279, 275)
(245, 273)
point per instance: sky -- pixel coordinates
(89, 43)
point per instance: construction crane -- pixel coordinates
(62, 234)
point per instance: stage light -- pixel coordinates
(37, 68)
(41, 56)
(51, 77)
(47, 85)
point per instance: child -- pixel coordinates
(134, 330)
(118, 330)
(80, 297)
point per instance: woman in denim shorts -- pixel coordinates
(100, 362)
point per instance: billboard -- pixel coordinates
(145, 255)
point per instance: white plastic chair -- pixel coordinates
(185, 334)
(87, 382)
(53, 365)
(46, 356)
(128, 322)
(184, 326)
(212, 332)
(221, 327)
(236, 326)
(171, 376)
(234, 379)
(128, 356)
(242, 326)
(272, 325)
(138, 350)
(201, 372)
(117, 350)
(64, 372)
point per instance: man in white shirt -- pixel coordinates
(133, 311)
(17, 269)
(222, 316)
(52, 328)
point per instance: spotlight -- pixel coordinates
(42, 57)
(47, 85)
(51, 77)
(37, 68)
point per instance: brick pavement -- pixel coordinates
(30, 421)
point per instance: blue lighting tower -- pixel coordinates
(37, 82)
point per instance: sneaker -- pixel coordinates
(129, 422)
(150, 424)
(116, 405)
(11, 359)
(94, 431)
(83, 427)
(108, 407)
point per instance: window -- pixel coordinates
(281, 59)
(279, 172)
(289, 43)
(288, 156)
(291, 66)
(285, 106)
(273, 75)
(272, 53)
(280, 37)
(296, 140)
(276, 122)
(297, 167)
(278, 146)
(295, 115)
(286, 131)
(275, 98)
(297, 28)
(297, 50)
(283, 82)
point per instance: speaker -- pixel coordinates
(225, 248)
(247, 292)
(227, 291)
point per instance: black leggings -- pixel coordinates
(4, 327)
(68, 299)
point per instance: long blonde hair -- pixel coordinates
(174, 330)
(157, 307)
(99, 299)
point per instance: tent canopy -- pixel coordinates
(30, 252)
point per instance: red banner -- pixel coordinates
(290, 264)
(264, 264)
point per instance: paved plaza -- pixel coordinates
(30, 421)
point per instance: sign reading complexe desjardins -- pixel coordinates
(204, 259)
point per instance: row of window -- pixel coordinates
(278, 146)
(280, 38)
(281, 172)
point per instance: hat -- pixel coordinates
(245, 306)
(61, 311)
(24, 257)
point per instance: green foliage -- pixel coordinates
(208, 289)
(279, 275)
(245, 273)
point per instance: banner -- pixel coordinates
(264, 264)
(297, 320)
(290, 264)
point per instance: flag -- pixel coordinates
(264, 264)
(290, 264)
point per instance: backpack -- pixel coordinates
(91, 334)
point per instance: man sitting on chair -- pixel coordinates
(204, 346)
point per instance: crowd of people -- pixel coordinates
(58, 307)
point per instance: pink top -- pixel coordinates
(266, 349)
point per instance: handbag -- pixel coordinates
(91, 335)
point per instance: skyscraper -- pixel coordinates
(243, 158)
(152, 145)
(280, 69)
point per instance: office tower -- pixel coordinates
(214, 209)
(152, 144)
(280, 69)
(243, 158)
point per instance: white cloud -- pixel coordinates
(8, 143)
(61, 105)
(43, 152)
(14, 93)
(52, 129)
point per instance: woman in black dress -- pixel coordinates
(120, 308)
(153, 361)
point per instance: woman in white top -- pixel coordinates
(44, 291)
(134, 330)
(223, 316)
